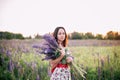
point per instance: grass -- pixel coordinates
(20, 61)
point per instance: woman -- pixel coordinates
(59, 70)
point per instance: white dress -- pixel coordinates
(61, 73)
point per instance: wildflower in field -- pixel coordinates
(10, 65)
(8, 53)
(37, 78)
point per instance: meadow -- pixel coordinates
(99, 58)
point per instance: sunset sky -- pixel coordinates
(30, 17)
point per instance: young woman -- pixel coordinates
(59, 70)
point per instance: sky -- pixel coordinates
(31, 17)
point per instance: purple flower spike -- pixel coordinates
(8, 53)
(50, 39)
(49, 51)
(38, 78)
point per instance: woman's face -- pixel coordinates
(61, 35)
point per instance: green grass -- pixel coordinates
(28, 64)
(89, 55)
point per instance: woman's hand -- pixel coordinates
(69, 59)
(57, 60)
(62, 51)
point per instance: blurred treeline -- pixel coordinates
(9, 35)
(111, 35)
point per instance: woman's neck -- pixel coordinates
(59, 42)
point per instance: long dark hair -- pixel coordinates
(56, 33)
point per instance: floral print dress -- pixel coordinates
(61, 72)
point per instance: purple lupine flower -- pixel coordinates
(102, 62)
(49, 51)
(8, 53)
(42, 46)
(50, 39)
(2, 50)
(36, 46)
(49, 48)
(47, 45)
(49, 71)
(10, 66)
(49, 57)
(38, 78)
(99, 72)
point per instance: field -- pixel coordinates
(99, 58)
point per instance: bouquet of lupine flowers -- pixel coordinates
(50, 49)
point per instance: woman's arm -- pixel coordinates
(54, 63)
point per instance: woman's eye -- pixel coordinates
(59, 33)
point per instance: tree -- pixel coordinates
(89, 35)
(99, 36)
(117, 36)
(19, 36)
(110, 35)
(76, 35)
(9, 35)
(38, 36)
(29, 37)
